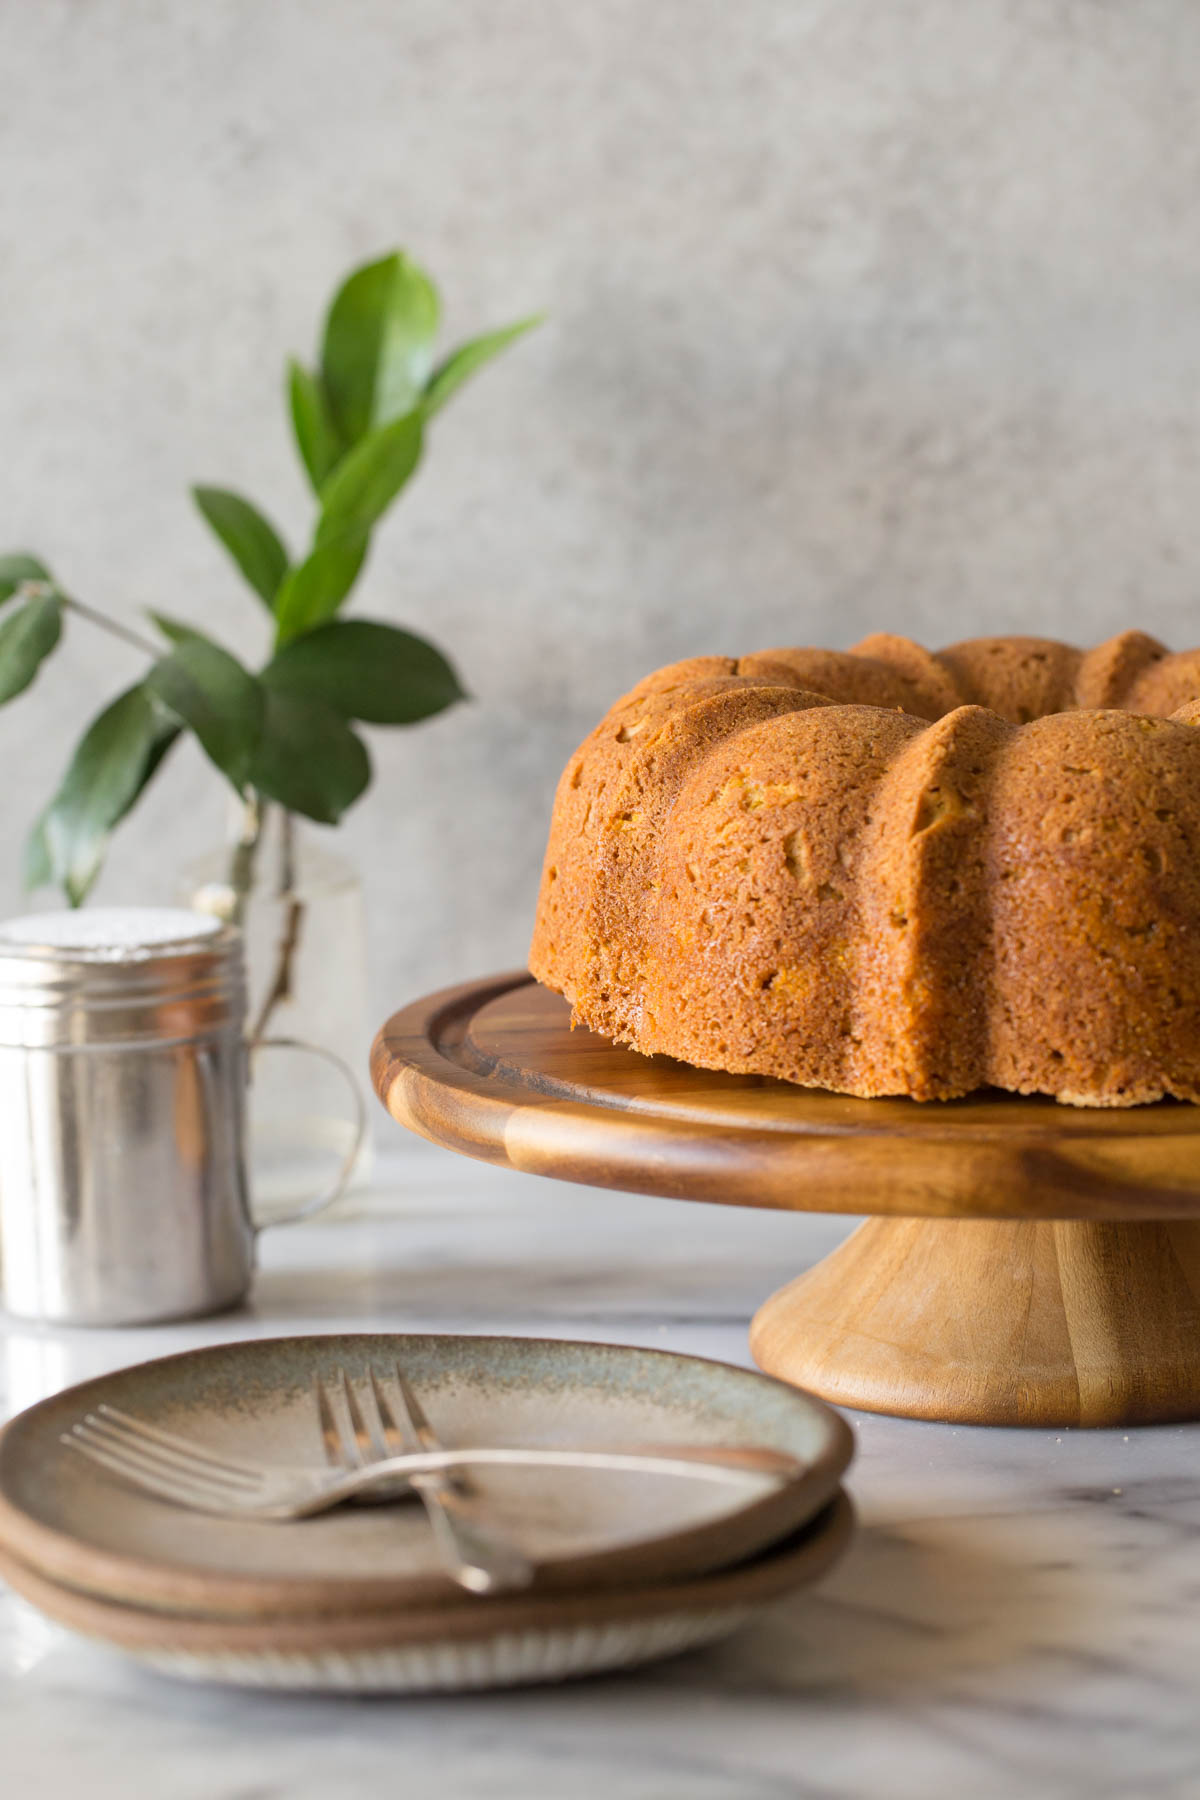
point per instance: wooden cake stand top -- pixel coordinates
(492, 1069)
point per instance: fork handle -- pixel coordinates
(479, 1562)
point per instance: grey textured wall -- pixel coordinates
(863, 314)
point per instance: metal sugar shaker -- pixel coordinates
(123, 1075)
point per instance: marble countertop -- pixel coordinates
(1015, 1616)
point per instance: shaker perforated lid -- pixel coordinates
(109, 933)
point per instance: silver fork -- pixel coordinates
(185, 1473)
(477, 1557)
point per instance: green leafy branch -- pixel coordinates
(284, 733)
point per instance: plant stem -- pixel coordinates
(287, 853)
(105, 623)
(281, 983)
(245, 855)
(241, 882)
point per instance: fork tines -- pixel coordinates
(370, 1434)
(158, 1460)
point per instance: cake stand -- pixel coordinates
(1028, 1264)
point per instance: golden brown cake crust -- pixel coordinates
(890, 871)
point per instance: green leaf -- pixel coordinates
(38, 867)
(112, 763)
(315, 589)
(19, 567)
(211, 693)
(175, 629)
(462, 363)
(167, 735)
(366, 670)
(308, 758)
(318, 439)
(369, 477)
(378, 346)
(178, 632)
(27, 636)
(38, 863)
(37, 870)
(251, 540)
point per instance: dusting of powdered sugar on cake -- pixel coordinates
(109, 933)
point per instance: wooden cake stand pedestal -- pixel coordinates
(1030, 1264)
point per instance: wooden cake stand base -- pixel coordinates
(986, 1323)
(1032, 1264)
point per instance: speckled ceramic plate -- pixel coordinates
(85, 1529)
(492, 1643)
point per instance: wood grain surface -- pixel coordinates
(1024, 1268)
(997, 1324)
(493, 1070)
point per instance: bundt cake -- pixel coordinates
(889, 871)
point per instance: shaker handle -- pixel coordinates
(304, 1209)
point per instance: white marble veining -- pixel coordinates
(1017, 1615)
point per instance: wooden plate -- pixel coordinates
(492, 1643)
(81, 1527)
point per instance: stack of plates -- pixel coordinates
(630, 1567)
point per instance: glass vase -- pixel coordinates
(302, 915)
